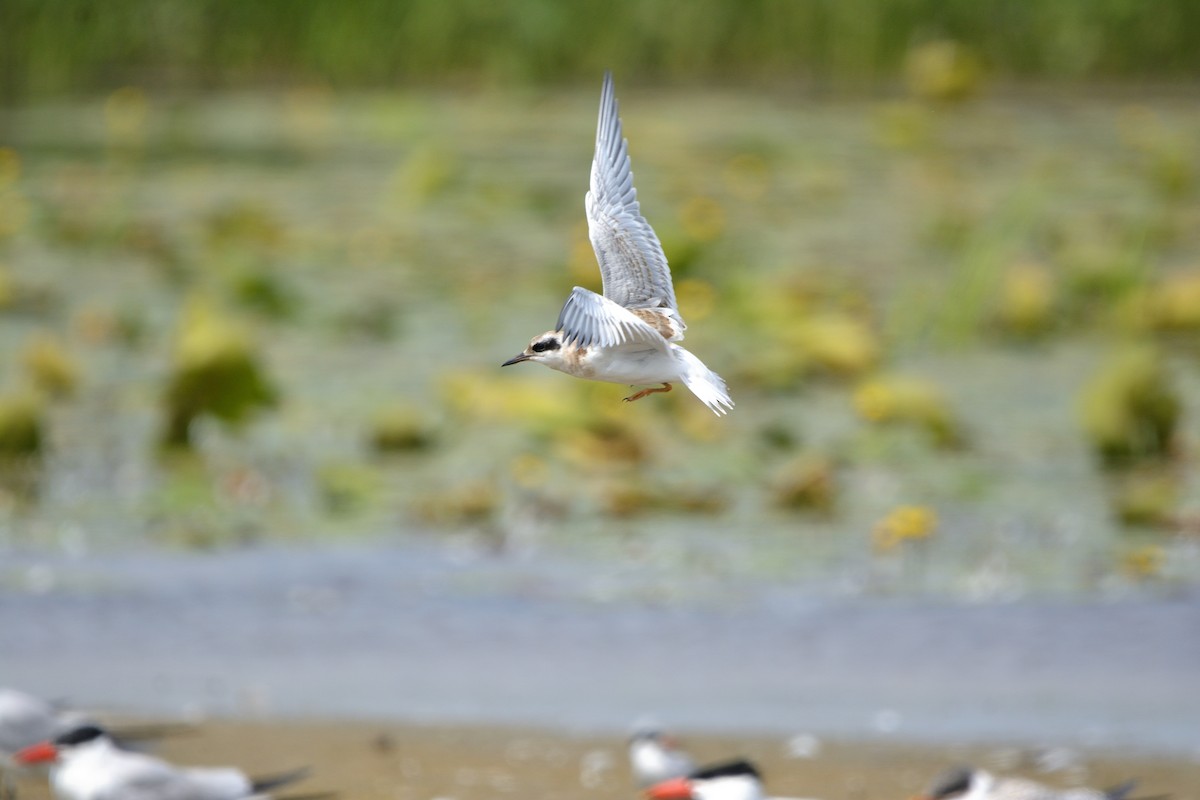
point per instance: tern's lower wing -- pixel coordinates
(588, 320)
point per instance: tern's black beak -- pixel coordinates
(517, 359)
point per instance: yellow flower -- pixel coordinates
(904, 523)
(1143, 562)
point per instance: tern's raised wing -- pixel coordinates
(632, 262)
(587, 319)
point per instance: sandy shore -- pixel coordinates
(392, 761)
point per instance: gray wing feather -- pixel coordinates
(166, 783)
(587, 319)
(632, 262)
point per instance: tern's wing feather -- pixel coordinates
(587, 319)
(149, 779)
(632, 262)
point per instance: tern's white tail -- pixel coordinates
(704, 383)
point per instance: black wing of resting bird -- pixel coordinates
(268, 782)
(725, 769)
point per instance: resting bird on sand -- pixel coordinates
(627, 335)
(655, 757)
(969, 783)
(87, 765)
(731, 780)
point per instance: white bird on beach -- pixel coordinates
(26, 719)
(655, 757)
(628, 334)
(731, 780)
(969, 783)
(86, 764)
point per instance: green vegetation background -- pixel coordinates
(78, 46)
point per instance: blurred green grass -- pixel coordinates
(51, 47)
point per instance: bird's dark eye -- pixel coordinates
(544, 345)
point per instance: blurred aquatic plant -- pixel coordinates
(702, 218)
(602, 440)
(541, 407)
(347, 488)
(22, 426)
(15, 212)
(836, 343)
(8, 289)
(952, 226)
(216, 371)
(581, 261)
(401, 429)
(125, 113)
(807, 483)
(10, 167)
(631, 497)
(427, 173)
(1144, 497)
(697, 298)
(1099, 268)
(944, 71)
(50, 366)
(244, 224)
(154, 241)
(1143, 562)
(375, 317)
(907, 400)
(903, 125)
(1167, 157)
(471, 503)
(800, 330)
(263, 290)
(14, 206)
(1172, 305)
(1026, 305)
(1172, 169)
(747, 176)
(1130, 409)
(907, 523)
(308, 116)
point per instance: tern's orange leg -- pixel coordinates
(666, 387)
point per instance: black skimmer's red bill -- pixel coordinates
(731, 780)
(655, 757)
(86, 764)
(968, 783)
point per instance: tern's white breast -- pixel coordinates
(623, 365)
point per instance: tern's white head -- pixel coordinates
(655, 757)
(545, 349)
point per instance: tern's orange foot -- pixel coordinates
(666, 387)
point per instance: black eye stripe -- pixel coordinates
(83, 734)
(544, 345)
